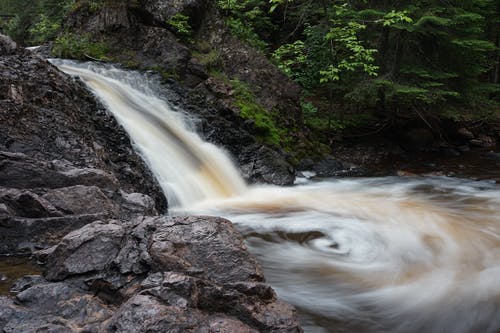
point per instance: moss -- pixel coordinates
(211, 60)
(165, 74)
(268, 130)
(92, 5)
(127, 58)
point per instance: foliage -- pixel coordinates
(180, 23)
(361, 59)
(44, 29)
(79, 47)
(247, 20)
(35, 21)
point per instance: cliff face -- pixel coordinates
(75, 195)
(64, 161)
(208, 70)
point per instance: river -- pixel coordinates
(390, 254)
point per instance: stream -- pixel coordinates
(390, 254)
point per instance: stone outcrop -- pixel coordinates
(64, 160)
(151, 274)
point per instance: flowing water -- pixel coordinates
(419, 254)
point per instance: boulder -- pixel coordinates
(151, 274)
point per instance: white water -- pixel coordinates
(359, 255)
(188, 169)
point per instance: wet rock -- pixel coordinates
(465, 134)
(260, 164)
(7, 45)
(23, 235)
(152, 274)
(88, 249)
(483, 141)
(54, 307)
(63, 159)
(24, 203)
(81, 199)
(54, 134)
(139, 203)
(26, 282)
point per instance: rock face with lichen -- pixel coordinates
(75, 194)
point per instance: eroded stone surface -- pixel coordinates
(152, 274)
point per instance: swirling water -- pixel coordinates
(418, 254)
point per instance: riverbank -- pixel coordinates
(75, 194)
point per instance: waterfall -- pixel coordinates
(188, 169)
(354, 255)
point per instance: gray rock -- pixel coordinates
(24, 203)
(88, 249)
(197, 244)
(81, 199)
(7, 45)
(158, 274)
(139, 203)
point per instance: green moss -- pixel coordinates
(211, 60)
(92, 5)
(268, 130)
(165, 74)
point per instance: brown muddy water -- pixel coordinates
(13, 268)
(388, 254)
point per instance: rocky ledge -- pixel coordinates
(75, 194)
(150, 274)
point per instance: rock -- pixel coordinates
(24, 203)
(26, 282)
(7, 45)
(63, 158)
(419, 139)
(260, 164)
(23, 235)
(152, 274)
(139, 203)
(54, 134)
(465, 134)
(88, 249)
(483, 141)
(195, 244)
(81, 199)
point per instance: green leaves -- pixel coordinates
(350, 54)
(290, 57)
(180, 23)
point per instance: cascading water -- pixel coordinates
(188, 169)
(354, 255)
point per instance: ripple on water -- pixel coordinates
(379, 254)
